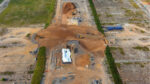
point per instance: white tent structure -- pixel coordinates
(66, 56)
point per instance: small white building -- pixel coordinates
(66, 56)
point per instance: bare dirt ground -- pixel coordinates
(55, 36)
(113, 12)
(18, 47)
(68, 9)
(133, 64)
(131, 46)
(145, 5)
(16, 56)
(80, 9)
(87, 52)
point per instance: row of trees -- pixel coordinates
(110, 59)
(96, 18)
(40, 66)
(112, 66)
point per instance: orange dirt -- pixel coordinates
(55, 35)
(83, 60)
(94, 45)
(67, 7)
(91, 41)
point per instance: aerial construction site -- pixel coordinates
(74, 49)
(74, 42)
(72, 54)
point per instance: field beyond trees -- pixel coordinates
(25, 12)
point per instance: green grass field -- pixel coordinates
(26, 12)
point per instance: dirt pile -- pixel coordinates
(56, 35)
(68, 7)
(69, 11)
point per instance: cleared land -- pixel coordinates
(17, 57)
(18, 47)
(112, 12)
(26, 12)
(77, 11)
(131, 52)
(56, 37)
(86, 43)
(130, 47)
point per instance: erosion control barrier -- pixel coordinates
(40, 66)
(96, 18)
(112, 66)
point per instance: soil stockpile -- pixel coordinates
(56, 35)
(68, 7)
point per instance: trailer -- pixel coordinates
(109, 28)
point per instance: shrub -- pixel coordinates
(7, 73)
(28, 35)
(119, 48)
(141, 48)
(4, 79)
(30, 72)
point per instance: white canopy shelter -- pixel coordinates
(66, 55)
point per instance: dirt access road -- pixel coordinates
(86, 43)
(81, 6)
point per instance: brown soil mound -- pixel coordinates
(56, 35)
(92, 45)
(68, 7)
